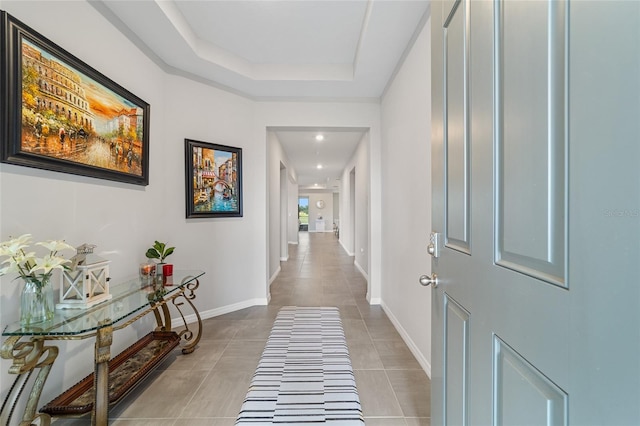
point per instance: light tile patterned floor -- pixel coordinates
(207, 388)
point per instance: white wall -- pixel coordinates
(223, 247)
(123, 220)
(284, 213)
(328, 213)
(406, 135)
(315, 213)
(293, 211)
(347, 206)
(275, 158)
(355, 240)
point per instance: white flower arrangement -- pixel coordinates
(26, 264)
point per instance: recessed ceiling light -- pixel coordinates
(319, 138)
(319, 166)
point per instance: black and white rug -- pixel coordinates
(305, 374)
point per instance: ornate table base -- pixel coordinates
(32, 355)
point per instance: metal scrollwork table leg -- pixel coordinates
(27, 357)
(163, 317)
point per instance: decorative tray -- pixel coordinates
(125, 371)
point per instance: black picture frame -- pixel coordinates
(60, 114)
(213, 180)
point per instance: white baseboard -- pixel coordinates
(374, 301)
(190, 319)
(364, 274)
(293, 242)
(422, 360)
(284, 259)
(275, 275)
(345, 249)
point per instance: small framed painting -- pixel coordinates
(60, 114)
(213, 180)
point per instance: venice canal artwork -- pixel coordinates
(69, 116)
(215, 180)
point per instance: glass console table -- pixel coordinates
(132, 300)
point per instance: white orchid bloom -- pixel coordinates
(15, 245)
(48, 263)
(55, 245)
(20, 262)
(26, 264)
(21, 256)
(11, 267)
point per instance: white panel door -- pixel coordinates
(536, 193)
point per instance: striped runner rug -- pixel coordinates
(304, 375)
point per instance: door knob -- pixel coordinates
(426, 280)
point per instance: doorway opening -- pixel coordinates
(303, 214)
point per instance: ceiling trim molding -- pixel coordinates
(216, 55)
(337, 73)
(363, 31)
(149, 53)
(423, 21)
(314, 99)
(317, 129)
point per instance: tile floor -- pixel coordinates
(208, 386)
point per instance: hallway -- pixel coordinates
(209, 386)
(393, 388)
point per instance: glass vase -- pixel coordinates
(36, 302)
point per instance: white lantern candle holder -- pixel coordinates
(86, 283)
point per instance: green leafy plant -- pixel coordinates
(159, 251)
(156, 295)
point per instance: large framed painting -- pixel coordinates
(60, 114)
(213, 180)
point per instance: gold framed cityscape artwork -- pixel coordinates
(60, 114)
(213, 180)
